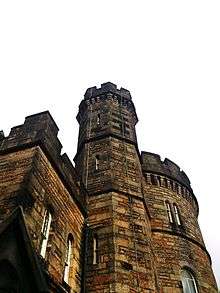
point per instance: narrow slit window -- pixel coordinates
(153, 179)
(176, 187)
(98, 119)
(68, 259)
(169, 212)
(177, 215)
(97, 162)
(165, 182)
(45, 232)
(95, 249)
(171, 184)
(159, 180)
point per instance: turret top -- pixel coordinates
(107, 87)
(152, 163)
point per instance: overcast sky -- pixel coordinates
(167, 53)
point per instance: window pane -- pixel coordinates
(67, 261)
(45, 232)
(176, 211)
(169, 212)
(188, 282)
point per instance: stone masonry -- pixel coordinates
(120, 221)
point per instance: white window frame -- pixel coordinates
(45, 232)
(95, 250)
(68, 260)
(187, 280)
(169, 212)
(177, 215)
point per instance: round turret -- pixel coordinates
(177, 241)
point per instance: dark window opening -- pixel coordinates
(159, 180)
(153, 179)
(126, 266)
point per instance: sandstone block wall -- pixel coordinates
(35, 176)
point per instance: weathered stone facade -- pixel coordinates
(35, 176)
(120, 222)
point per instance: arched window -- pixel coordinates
(68, 258)
(188, 282)
(97, 162)
(45, 232)
(95, 249)
(177, 214)
(169, 212)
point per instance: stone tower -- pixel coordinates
(108, 161)
(143, 234)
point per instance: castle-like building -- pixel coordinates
(119, 221)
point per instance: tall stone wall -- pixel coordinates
(35, 176)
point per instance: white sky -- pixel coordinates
(167, 53)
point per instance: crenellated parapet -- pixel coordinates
(41, 130)
(152, 163)
(167, 174)
(107, 91)
(107, 87)
(106, 112)
(36, 128)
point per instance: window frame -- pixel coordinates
(95, 256)
(68, 258)
(169, 212)
(192, 278)
(177, 214)
(45, 231)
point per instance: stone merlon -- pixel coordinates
(152, 163)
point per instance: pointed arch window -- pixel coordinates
(45, 232)
(188, 282)
(69, 251)
(177, 214)
(95, 249)
(169, 212)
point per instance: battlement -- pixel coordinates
(41, 130)
(152, 163)
(38, 127)
(107, 87)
